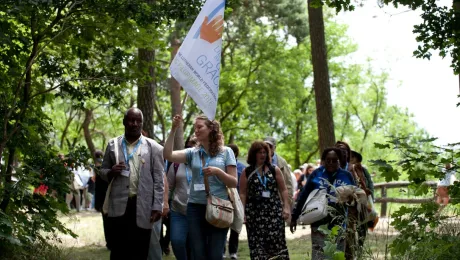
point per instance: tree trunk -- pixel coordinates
(7, 178)
(146, 84)
(456, 7)
(66, 127)
(87, 132)
(146, 88)
(326, 135)
(176, 105)
(347, 120)
(231, 138)
(298, 137)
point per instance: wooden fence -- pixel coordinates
(384, 200)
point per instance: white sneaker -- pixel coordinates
(233, 256)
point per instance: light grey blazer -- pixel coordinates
(150, 188)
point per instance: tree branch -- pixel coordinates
(236, 105)
(311, 154)
(162, 120)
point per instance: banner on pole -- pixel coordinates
(196, 65)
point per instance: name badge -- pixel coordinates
(265, 194)
(198, 187)
(125, 173)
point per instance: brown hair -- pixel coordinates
(256, 146)
(309, 166)
(347, 147)
(216, 137)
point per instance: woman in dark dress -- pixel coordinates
(261, 184)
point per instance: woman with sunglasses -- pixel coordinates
(323, 178)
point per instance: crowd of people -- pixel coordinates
(82, 188)
(141, 184)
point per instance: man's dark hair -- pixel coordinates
(235, 149)
(135, 109)
(98, 154)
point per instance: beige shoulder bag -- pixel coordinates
(219, 212)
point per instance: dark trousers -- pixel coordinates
(129, 240)
(107, 230)
(233, 242)
(166, 238)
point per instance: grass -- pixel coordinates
(297, 251)
(90, 243)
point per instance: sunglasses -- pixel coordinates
(331, 161)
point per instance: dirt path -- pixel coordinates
(88, 226)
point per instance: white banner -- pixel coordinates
(197, 63)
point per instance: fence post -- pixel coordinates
(383, 208)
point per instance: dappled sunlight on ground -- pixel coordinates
(90, 243)
(88, 226)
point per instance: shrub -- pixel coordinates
(35, 199)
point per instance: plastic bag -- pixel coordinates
(238, 211)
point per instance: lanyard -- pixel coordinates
(202, 152)
(187, 175)
(264, 183)
(125, 150)
(166, 167)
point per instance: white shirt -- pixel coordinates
(449, 178)
(294, 183)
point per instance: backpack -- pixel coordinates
(315, 207)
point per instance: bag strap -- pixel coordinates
(252, 173)
(206, 181)
(311, 195)
(176, 167)
(359, 172)
(115, 143)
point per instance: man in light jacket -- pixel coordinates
(133, 164)
(281, 163)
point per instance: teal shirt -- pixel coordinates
(216, 186)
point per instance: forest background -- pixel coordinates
(70, 69)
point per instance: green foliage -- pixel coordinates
(35, 251)
(76, 55)
(60, 59)
(419, 160)
(423, 231)
(424, 234)
(330, 244)
(33, 216)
